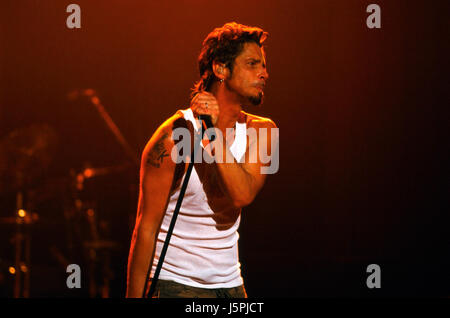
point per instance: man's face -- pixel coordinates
(249, 75)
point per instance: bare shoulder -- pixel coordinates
(160, 144)
(171, 123)
(259, 121)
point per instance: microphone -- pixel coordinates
(206, 123)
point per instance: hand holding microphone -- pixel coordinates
(204, 106)
(204, 103)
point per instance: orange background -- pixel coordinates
(360, 112)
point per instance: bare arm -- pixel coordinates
(244, 180)
(156, 177)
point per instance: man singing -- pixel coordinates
(202, 257)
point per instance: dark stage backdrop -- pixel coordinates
(362, 116)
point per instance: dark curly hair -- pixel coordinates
(223, 45)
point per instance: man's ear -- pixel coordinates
(220, 70)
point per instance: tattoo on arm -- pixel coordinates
(157, 153)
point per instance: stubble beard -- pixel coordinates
(251, 100)
(256, 100)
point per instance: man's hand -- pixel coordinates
(204, 103)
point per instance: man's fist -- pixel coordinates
(204, 103)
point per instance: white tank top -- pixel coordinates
(202, 252)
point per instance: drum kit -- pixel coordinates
(75, 233)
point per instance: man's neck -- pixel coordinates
(230, 108)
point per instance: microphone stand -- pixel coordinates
(206, 119)
(95, 101)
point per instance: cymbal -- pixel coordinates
(26, 153)
(27, 219)
(8, 220)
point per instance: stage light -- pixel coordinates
(90, 212)
(88, 173)
(21, 213)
